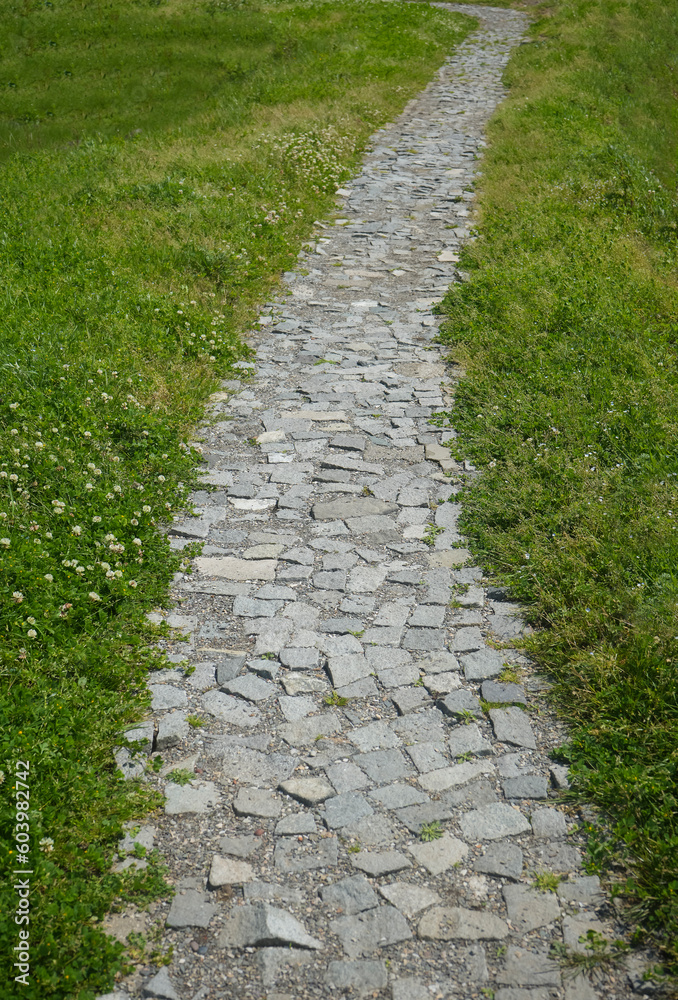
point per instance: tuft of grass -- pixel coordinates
(431, 831)
(567, 330)
(181, 776)
(161, 164)
(547, 881)
(336, 699)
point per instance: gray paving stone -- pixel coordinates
(457, 774)
(226, 871)
(251, 688)
(351, 895)
(517, 993)
(482, 664)
(441, 662)
(250, 607)
(344, 809)
(166, 696)
(172, 729)
(291, 856)
(347, 669)
(528, 967)
(493, 821)
(408, 699)
(364, 688)
(253, 767)
(353, 507)
(193, 798)
(425, 726)
(438, 685)
(548, 823)
(274, 962)
(409, 988)
(427, 616)
(398, 796)
(467, 640)
(300, 659)
(306, 731)
(190, 908)
(528, 786)
(454, 923)
(308, 791)
(229, 666)
(370, 831)
(330, 579)
(424, 639)
(414, 817)
(259, 802)
(427, 757)
(367, 932)
(468, 739)
(232, 710)
(460, 703)
(504, 859)
(506, 694)
(409, 899)
(512, 725)
(239, 847)
(347, 777)
(160, 985)
(383, 765)
(296, 708)
(341, 626)
(296, 684)
(296, 823)
(439, 855)
(258, 924)
(364, 976)
(378, 863)
(529, 909)
(557, 856)
(585, 889)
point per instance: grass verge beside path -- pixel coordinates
(568, 327)
(161, 163)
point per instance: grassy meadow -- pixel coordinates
(160, 164)
(567, 329)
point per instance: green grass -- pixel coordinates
(567, 328)
(160, 165)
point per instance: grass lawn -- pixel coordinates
(567, 328)
(160, 164)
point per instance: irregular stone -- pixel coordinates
(506, 694)
(424, 639)
(585, 889)
(367, 932)
(409, 899)
(265, 892)
(363, 976)
(482, 664)
(529, 967)
(453, 923)
(548, 823)
(257, 802)
(409, 988)
(346, 777)
(191, 798)
(504, 859)
(526, 786)
(441, 684)
(345, 670)
(427, 616)
(190, 908)
(341, 626)
(427, 757)
(366, 579)
(375, 736)
(460, 703)
(398, 796)
(414, 817)
(258, 924)
(160, 986)
(142, 735)
(370, 831)
(422, 727)
(383, 765)
(408, 699)
(493, 821)
(252, 767)
(467, 640)
(344, 809)
(251, 688)
(231, 710)
(296, 684)
(377, 863)
(224, 871)
(230, 568)
(440, 662)
(451, 777)
(351, 895)
(172, 729)
(306, 731)
(271, 962)
(364, 688)
(439, 855)
(296, 823)
(529, 909)
(308, 791)
(239, 847)
(511, 725)
(251, 607)
(468, 739)
(230, 664)
(291, 856)
(297, 708)
(557, 857)
(330, 579)
(166, 696)
(517, 993)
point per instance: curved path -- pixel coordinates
(360, 821)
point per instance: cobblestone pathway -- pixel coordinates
(372, 795)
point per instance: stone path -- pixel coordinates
(371, 799)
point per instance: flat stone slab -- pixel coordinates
(438, 685)
(306, 731)
(467, 640)
(260, 925)
(453, 923)
(291, 856)
(526, 786)
(230, 568)
(529, 967)
(167, 696)
(351, 895)
(529, 909)
(232, 710)
(398, 795)
(193, 798)
(504, 859)
(344, 670)
(251, 688)
(190, 908)
(452, 777)
(365, 976)
(377, 863)
(424, 639)
(295, 824)
(347, 777)
(482, 664)
(548, 823)
(367, 932)
(342, 810)
(257, 802)
(460, 703)
(339, 510)
(468, 739)
(160, 986)
(512, 725)
(409, 899)
(503, 694)
(414, 817)
(239, 847)
(309, 791)
(226, 871)
(383, 765)
(439, 855)
(493, 821)
(375, 736)
(296, 684)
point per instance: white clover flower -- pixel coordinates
(118, 573)
(117, 489)
(5, 542)
(144, 434)
(14, 431)
(58, 503)
(39, 445)
(109, 537)
(93, 596)
(97, 472)
(17, 597)
(49, 578)
(46, 845)
(76, 529)
(3, 516)
(14, 478)
(3, 474)
(110, 574)
(134, 521)
(89, 486)
(105, 565)
(55, 430)
(146, 509)
(31, 633)
(31, 620)
(14, 406)
(136, 541)
(161, 479)
(110, 496)
(91, 466)
(48, 534)
(2, 777)
(79, 569)
(96, 519)
(132, 583)
(115, 458)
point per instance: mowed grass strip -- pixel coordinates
(161, 164)
(567, 327)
